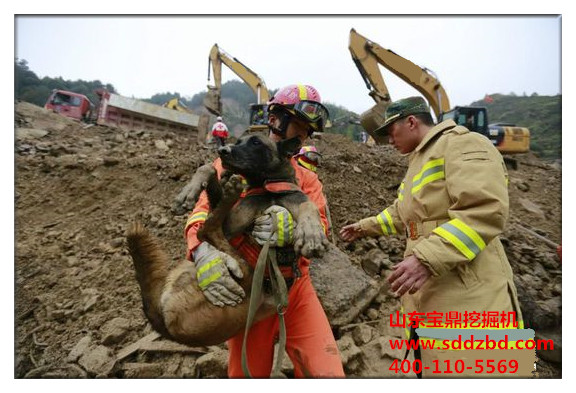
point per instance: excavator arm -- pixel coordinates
(367, 64)
(218, 57)
(367, 55)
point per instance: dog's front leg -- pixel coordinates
(212, 230)
(309, 237)
(204, 178)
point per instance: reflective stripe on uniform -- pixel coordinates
(284, 228)
(401, 192)
(203, 274)
(302, 92)
(386, 222)
(196, 217)
(432, 170)
(307, 165)
(461, 236)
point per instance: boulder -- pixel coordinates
(115, 330)
(79, 349)
(98, 362)
(343, 288)
(213, 364)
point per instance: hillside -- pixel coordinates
(78, 187)
(542, 115)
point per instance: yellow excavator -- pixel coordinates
(212, 101)
(177, 105)
(367, 55)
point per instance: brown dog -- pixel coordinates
(173, 302)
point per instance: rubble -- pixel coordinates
(78, 189)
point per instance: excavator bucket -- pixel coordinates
(373, 118)
(212, 101)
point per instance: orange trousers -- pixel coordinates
(310, 342)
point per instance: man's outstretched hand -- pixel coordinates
(351, 232)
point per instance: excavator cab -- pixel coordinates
(258, 114)
(258, 119)
(472, 117)
(508, 138)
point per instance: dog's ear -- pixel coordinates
(288, 147)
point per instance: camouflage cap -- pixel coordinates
(400, 109)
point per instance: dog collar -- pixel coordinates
(274, 187)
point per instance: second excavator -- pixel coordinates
(213, 102)
(367, 55)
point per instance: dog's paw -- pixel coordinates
(233, 187)
(309, 239)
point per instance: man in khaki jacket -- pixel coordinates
(452, 205)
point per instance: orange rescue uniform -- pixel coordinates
(310, 343)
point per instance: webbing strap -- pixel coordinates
(267, 258)
(280, 292)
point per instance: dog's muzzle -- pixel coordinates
(224, 150)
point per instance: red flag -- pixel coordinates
(488, 99)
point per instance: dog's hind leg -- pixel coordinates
(152, 267)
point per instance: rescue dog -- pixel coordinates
(172, 300)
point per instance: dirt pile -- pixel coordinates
(78, 188)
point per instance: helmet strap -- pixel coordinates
(284, 122)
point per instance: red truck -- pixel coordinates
(67, 103)
(128, 113)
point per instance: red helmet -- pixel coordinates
(309, 157)
(303, 101)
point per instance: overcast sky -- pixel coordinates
(142, 56)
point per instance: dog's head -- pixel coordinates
(258, 158)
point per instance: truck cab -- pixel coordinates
(69, 104)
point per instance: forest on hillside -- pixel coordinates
(541, 114)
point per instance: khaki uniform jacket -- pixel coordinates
(452, 205)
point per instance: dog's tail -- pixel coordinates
(152, 266)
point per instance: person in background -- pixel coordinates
(309, 157)
(220, 132)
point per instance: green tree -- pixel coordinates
(28, 87)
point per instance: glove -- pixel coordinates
(213, 268)
(278, 220)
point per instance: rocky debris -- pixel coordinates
(552, 352)
(114, 331)
(344, 289)
(77, 189)
(142, 370)
(213, 364)
(98, 361)
(363, 334)
(79, 349)
(350, 353)
(531, 207)
(69, 371)
(30, 133)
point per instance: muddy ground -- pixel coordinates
(78, 187)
